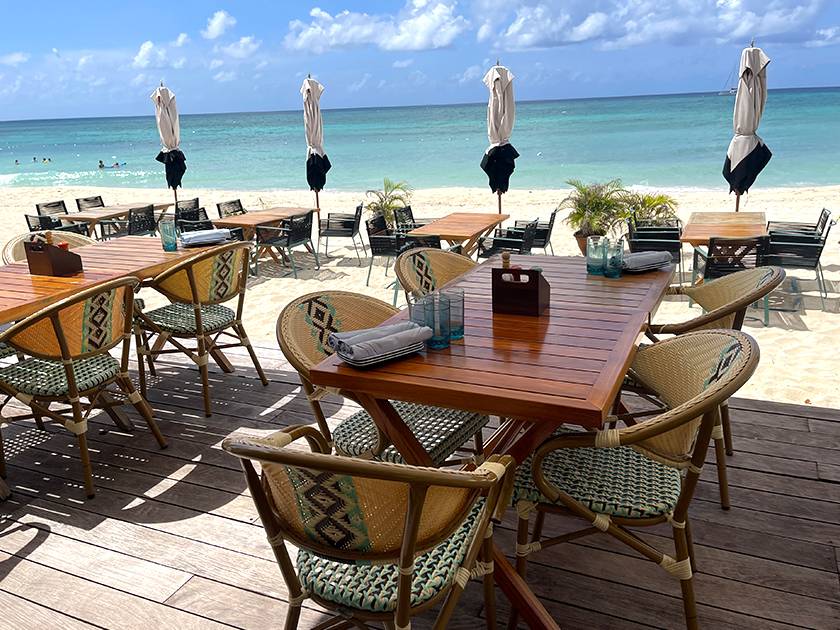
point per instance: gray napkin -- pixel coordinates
(200, 237)
(644, 260)
(362, 345)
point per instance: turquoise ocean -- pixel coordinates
(667, 141)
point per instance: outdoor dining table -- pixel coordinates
(565, 366)
(250, 221)
(462, 228)
(92, 216)
(702, 226)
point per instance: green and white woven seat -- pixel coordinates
(373, 587)
(6, 351)
(179, 317)
(615, 481)
(40, 377)
(440, 431)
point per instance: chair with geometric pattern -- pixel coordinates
(197, 288)
(376, 542)
(68, 347)
(644, 474)
(303, 329)
(426, 269)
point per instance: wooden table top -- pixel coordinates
(566, 365)
(112, 212)
(260, 217)
(460, 226)
(702, 226)
(22, 294)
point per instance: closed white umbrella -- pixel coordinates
(169, 128)
(747, 154)
(498, 161)
(317, 162)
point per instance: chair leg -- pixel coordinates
(521, 555)
(727, 428)
(240, 330)
(142, 407)
(2, 457)
(821, 285)
(687, 586)
(720, 457)
(356, 250)
(87, 471)
(203, 358)
(690, 541)
(142, 347)
(489, 584)
(387, 264)
(370, 268)
(315, 253)
(292, 261)
(766, 310)
(551, 247)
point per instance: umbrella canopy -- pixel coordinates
(498, 161)
(747, 154)
(169, 128)
(317, 162)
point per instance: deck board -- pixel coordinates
(172, 538)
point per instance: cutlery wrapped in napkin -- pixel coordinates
(643, 261)
(374, 345)
(205, 237)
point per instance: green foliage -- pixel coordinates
(652, 208)
(597, 208)
(393, 195)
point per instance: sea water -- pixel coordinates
(667, 141)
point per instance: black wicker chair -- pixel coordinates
(342, 225)
(187, 204)
(508, 240)
(404, 219)
(382, 241)
(814, 229)
(140, 222)
(37, 223)
(799, 251)
(657, 238)
(81, 227)
(51, 208)
(230, 208)
(544, 229)
(85, 203)
(192, 215)
(294, 232)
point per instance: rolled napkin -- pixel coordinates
(204, 237)
(646, 260)
(370, 343)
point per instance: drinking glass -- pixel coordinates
(456, 312)
(613, 257)
(433, 311)
(595, 252)
(168, 236)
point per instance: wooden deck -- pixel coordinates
(171, 541)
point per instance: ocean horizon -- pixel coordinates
(667, 140)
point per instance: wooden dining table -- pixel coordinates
(93, 216)
(462, 228)
(702, 226)
(250, 221)
(565, 366)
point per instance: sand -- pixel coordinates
(799, 362)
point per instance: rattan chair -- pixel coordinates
(342, 225)
(230, 208)
(424, 270)
(69, 344)
(197, 288)
(85, 203)
(376, 542)
(51, 208)
(13, 250)
(303, 328)
(141, 222)
(645, 474)
(294, 232)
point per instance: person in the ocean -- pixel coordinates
(17, 163)
(34, 159)
(101, 164)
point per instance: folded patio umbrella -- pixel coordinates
(747, 154)
(169, 128)
(317, 162)
(499, 158)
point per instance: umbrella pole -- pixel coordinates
(737, 201)
(318, 206)
(500, 201)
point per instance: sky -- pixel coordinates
(76, 59)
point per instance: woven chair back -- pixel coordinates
(230, 208)
(728, 255)
(187, 204)
(404, 217)
(13, 250)
(37, 222)
(351, 509)
(86, 324)
(299, 229)
(424, 270)
(81, 228)
(824, 216)
(51, 207)
(380, 239)
(691, 373)
(190, 214)
(357, 218)
(528, 236)
(406, 242)
(211, 277)
(84, 203)
(734, 293)
(306, 323)
(194, 225)
(141, 220)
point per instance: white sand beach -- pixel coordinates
(799, 349)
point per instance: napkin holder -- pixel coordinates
(45, 259)
(520, 292)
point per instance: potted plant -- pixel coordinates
(652, 209)
(596, 209)
(393, 195)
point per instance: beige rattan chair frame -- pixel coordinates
(674, 438)
(211, 277)
(83, 326)
(13, 250)
(425, 269)
(405, 510)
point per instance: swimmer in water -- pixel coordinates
(101, 164)
(17, 163)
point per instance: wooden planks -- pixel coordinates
(250, 220)
(465, 228)
(702, 226)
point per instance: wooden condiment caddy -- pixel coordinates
(519, 291)
(48, 259)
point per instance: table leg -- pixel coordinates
(5, 493)
(519, 594)
(393, 426)
(472, 244)
(116, 414)
(221, 360)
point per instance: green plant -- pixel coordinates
(596, 209)
(652, 208)
(393, 195)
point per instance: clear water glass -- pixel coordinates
(456, 312)
(595, 252)
(168, 236)
(433, 311)
(613, 258)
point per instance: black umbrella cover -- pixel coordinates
(316, 171)
(747, 170)
(176, 166)
(499, 163)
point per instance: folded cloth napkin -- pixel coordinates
(645, 260)
(363, 345)
(200, 237)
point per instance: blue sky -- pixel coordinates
(67, 59)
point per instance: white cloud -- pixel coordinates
(244, 48)
(472, 73)
(217, 24)
(216, 63)
(362, 82)
(825, 37)
(262, 64)
(182, 39)
(179, 63)
(140, 79)
(420, 25)
(56, 52)
(224, 76)
(83, 61)
(149, 56)
(14, 59)
(402, 63)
